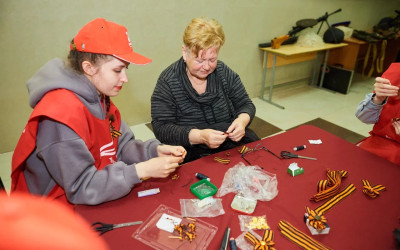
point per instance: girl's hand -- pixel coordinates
(383, 89)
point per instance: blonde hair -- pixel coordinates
(202, 34)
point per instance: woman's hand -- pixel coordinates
(158, 167)
(210, 137)
(383, 89)
(237, 129)
(168, 150)
(213, 138)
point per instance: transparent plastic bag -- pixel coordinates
(249, 222)
(207, 207)
(243, 244)
(249, 181)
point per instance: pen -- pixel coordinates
(224, 244)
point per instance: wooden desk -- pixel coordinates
(357, 222)
(353, 56)
(347, 56)
(293, 50)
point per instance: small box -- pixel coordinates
(314, 231)
(203, 189)
(294, 169)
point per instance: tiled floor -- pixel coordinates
(303, 104)
(323, 108)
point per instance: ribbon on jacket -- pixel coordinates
(316, 218)
(372, 191)
(114, 133)
(266, 243)
(299, 238)
(329, 187)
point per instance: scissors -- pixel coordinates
(104, 227)
(289, 155)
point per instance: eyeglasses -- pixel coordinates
(245, 151)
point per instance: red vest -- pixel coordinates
(383, 140)
(65, 107)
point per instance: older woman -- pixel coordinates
(199, 102)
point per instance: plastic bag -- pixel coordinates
(248, 222)
(243, 244)
(249, 181)
(207, 207)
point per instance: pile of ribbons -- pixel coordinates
(331, 186)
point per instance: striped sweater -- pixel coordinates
(176, 107)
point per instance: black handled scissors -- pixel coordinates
(289, 155)
(104, 227)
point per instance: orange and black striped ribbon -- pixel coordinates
(266, 243)
(222, 160)
(316, 218)
(244, 149)
(299, 238)
(336, 199)
(114, 133)
(332, 177)
(329, 187)
(372, 191)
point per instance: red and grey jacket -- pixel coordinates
(94, 132)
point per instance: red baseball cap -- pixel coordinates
(31, 222)
(104, 37)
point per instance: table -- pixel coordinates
(357, 222)
(293, 50)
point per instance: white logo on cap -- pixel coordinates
(130, 44)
